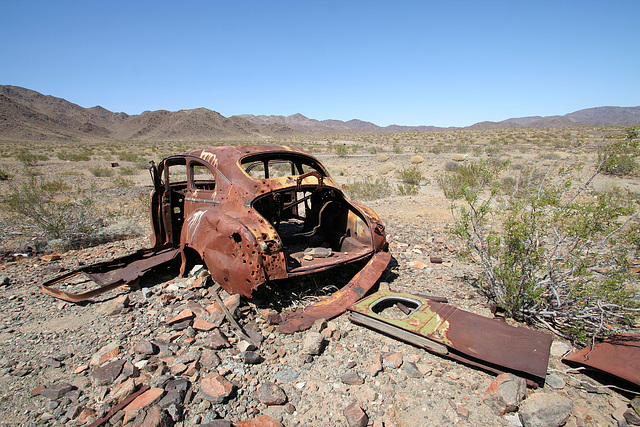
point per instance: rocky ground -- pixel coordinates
(71, 364)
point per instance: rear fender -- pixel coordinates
(230, 250)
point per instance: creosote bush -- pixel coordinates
(52, 210)
(101, 171)
(551, 251)
(369, 189)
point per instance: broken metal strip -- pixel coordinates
(111, 274)
(241, 333)
(119, 406)
(473, 339)
(618, 356)
(337, 303)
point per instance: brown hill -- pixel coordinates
(28, 115)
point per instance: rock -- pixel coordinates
(107, 352)
(545, 410)
(259, 421)
(313, 343)
(145, 347)
(355, 415)
(56, 391)
(318, 252)
(250, 357)
(184, 315)
(107, 374)
(352, 378)
(216, 388)
(53, 362)
(393, 360)
(375, 366)
(635, 404)
(559, 349)
(122, 391)
(270, 394)
(632, 417)
(244, 345)
(209, 359)
(505, 393)
(155, 417)
(417, 159)
(318, 325)
(188, 357)
(218, 423)
(412, 370)
(216, 340)
(147, 398)
(381, 157)
(201, 324)
(555, 381)
(196, 270)
(458, 157)
(286, 375)
(231, 302)
(116, 306)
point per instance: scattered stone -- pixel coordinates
(154, 417)
(286, 375)
(313, 343)
(463, 412)
(545, 410)
(458, 157)
(116, 306)
(505, 393)
(244, 345)
(147, 398)
(184, 315)
(52, 362)
(635, 404)
(393, 360)
(270, 394)
(417, 159)
(259, 421)
(381, 157)
(318, 252)
(145, 347)
(107, 352)
(559, 349)
(107, 373)
(201, 324)
(355, 415)
(375, 366)
(352, 378)
(216, 388)
(555, 381)
(632, 417)
(56, 391)
(216, 340)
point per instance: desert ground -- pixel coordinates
(56, 346)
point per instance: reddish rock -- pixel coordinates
(108, 373)
(145, 347)
(184, 315)
(355, 416)
(352, 378)
(202, 325)
(270, 394)
(376, 365)
(393, 360)
(232, 303)
(505, 393)
(216, 340)
(155, 417)
(107, 352)
(216, 388)
(147, 398)
(56, 391)
(260, 421)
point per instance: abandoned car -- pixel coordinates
(252, 214)
(258, 213)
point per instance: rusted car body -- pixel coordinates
(250, 212)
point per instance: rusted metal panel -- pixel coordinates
(468, 337)
(108, 275)
(618, 356)
(337, 303)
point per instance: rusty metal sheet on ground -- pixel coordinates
(107, 275)
(618, 356)
(337, 303)
(455, 333)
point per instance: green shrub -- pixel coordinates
(369, 189)
(619, 156)
(128, 156)
(50, 210)
(120, 182)
(101, 171)
(126, 170)
(410, 175)
(74, 157)
(29, 158)
(550, 252)
(341, 150)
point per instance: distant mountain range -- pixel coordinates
(26, 115)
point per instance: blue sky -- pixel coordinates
(443, 63)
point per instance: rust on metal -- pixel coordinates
(120, 406)
(337, 303)
(448, 331)
(108, 275)
(618, 356)
(249, 212)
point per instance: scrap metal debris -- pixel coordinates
(618, 355)
(448, 331)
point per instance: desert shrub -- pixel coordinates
(101, 171)
(28, 158)
(74, 156)
(619, 156)
(369, 188)
(405, 189)
(375, 150)
(126, 156)
(550, 156)
(397, 148)
(410, 175)
(450, 165)
(550, 251)
(47, 209)
(341, 150)
(126, 170)
(120, 182)
(437, 148)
